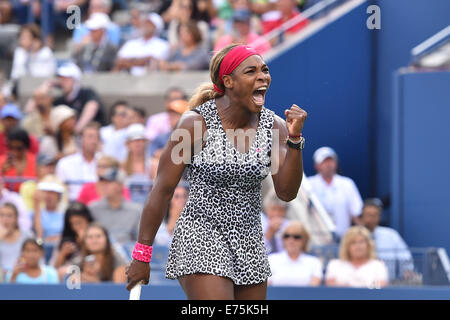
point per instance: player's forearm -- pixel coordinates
(290, 175)
(153, 213)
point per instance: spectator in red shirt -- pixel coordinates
(19, 162)
(286, 10)
(10, 117)
(94, 191)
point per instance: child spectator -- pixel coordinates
(11, 237)
(357, 265)
(28, 269)
(293, 266)
(100, 261)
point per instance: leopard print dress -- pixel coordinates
(219, 230)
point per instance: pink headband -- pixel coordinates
(233, 59)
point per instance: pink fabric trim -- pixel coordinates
(142, 252)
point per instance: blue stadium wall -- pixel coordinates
(344, 77)
(421, 157)
(328, 75)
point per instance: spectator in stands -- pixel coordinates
(96, 53)
(165, 232)
(19, 163)
(338, 194)
(160, 123)
(274, 222)
(7, 196)
(10, 119)
(114, 135)
(100, 261)
(119, 216)
(390, 246)
(183, 11)
(49, 219)
(285, 10)
(80, 168)
(136, 161)
(76, 221)
(112, 30)
(28, 269)
(94, 191)
(31, 57)
(357, 265)
(131, 30)
(11, 236)
(176, 109)
(242, 33)
(46, 165)
(83, 100)
(188, 55)
(138, 115)
(293, 266)
(5, 11)
(140, 55)
(62, 142)
(37, 121)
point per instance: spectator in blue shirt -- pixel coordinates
(390, 246)
(28, 270)
(49, 220)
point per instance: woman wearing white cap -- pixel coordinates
(49, 220)
(62, 142)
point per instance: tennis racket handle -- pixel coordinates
(135, 293)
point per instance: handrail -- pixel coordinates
(318, 7)
(430, 43)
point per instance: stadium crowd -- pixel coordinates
(73, 181)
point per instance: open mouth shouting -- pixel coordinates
(259, 96)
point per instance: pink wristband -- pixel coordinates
(142, 252)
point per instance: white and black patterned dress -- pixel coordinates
(219, 230)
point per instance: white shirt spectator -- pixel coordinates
(114, 142)
(39, 64)
(288, 272)
(341, 199)
(74, 171)
(369, 275)
(140, 48)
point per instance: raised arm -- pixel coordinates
(287, 164)
(169, 173)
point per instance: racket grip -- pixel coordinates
(135, 293)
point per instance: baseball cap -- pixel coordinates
(113, 174)
(242, 15)
(136, 131)
(323, 153)
(98, 20)
(69, 70)
(157, 21)
(179, 106)
(10, 110)
(59, 114)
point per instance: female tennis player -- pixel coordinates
(217, 251)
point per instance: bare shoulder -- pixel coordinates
(188, 120)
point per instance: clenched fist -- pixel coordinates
(295, 119)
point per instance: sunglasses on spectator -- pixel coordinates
(295, 236)
(18, 148)
(121, 114)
